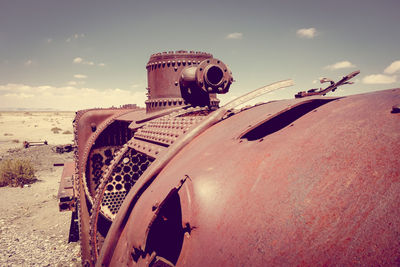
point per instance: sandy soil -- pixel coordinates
(32, 230)
(16, 127)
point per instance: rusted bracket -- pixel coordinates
(332, 87)
(38, 143)
(66, 190)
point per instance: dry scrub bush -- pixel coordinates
(16, 172)
(56, 130)
(15, 141)
(67, 132)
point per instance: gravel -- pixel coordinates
(32, 230)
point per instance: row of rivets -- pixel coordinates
(172, 63)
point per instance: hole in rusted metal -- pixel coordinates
(283, 119)
(165, 236)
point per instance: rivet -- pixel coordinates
(176, 83)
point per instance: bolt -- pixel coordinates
(93, 126)
(396, 108)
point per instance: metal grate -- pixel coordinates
(99, 159)
(124, 176)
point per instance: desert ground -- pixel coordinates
(32, 230)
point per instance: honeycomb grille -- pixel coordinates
(124, 176)
(100, 158)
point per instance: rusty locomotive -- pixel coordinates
(313, 180)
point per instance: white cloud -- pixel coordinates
(136, 85)
(80, 76)
(307, 33)
(75, 36)
(77, 60)
(66, 98)
(379, 79)
(74, 83)
(28, 63)
(19, 95)
(340, 65)
(234, 35)
(393, 68)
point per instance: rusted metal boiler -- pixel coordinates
(313, 180)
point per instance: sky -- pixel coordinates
(78, 54)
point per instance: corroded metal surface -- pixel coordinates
(323, 190)
(332, 87)
(137, 153)
(178, 78)
(306, 181)
(88, 125)
(167, 129)
(163, 73)
(66, 194)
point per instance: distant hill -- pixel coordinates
(30, 109)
